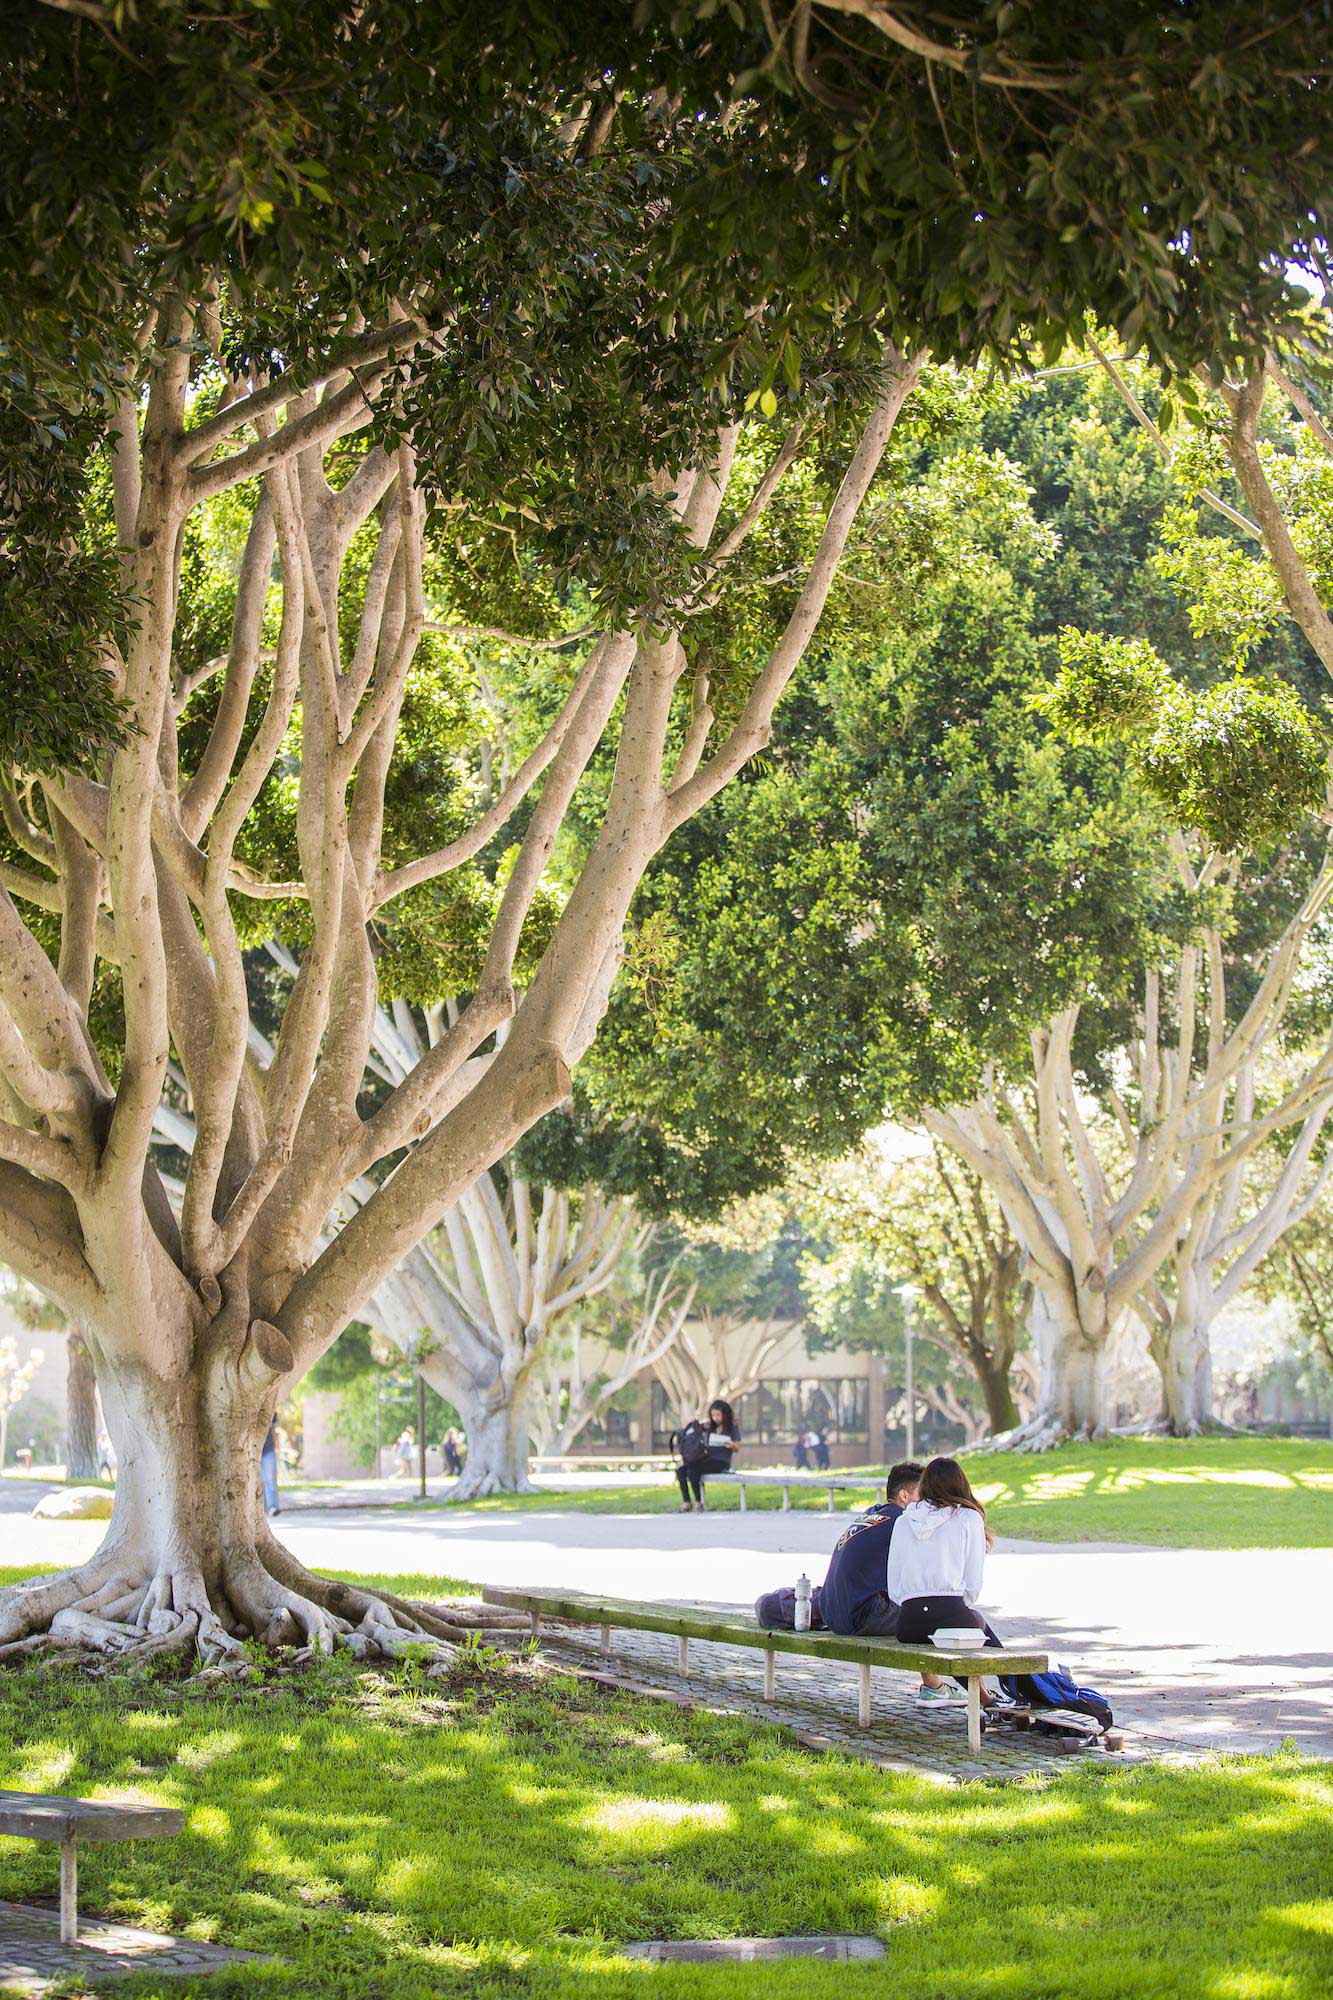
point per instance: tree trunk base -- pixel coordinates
(1042, 1432)
(1164, 1427)
(485, 1482)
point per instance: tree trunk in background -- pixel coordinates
(80, 1409)
(1185, 1360)
(1001, 1409)
(497, 1428)
(1071, 1399)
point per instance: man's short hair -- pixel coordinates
(905, 1474)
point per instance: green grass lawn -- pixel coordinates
(1203, 1493)
(501, 1834)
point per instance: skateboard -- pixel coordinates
(1072, 1730)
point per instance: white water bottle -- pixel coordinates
(802, 1603)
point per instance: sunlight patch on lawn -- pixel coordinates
(1058, 1485)
(1019, 1815)
(832, 1840)
(1313, 1917)
(210, 1749)
(905, 1899)
(212, 1824)
(631, 1815)
(46, 1769)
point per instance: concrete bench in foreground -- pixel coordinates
(35, 1816)
(720, 1628)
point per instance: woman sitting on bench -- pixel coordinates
(723, 1441)
(936, 1560)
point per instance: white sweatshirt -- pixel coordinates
(936, 1552)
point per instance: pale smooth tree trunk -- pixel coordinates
(1187, 1378)
(80, 1409)
(1071, 1397)
(497, 1424)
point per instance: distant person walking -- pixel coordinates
(403, 1447)
(449, 1451)
(822, 1458)
(268, 1466)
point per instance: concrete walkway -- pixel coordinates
(1207, 1647)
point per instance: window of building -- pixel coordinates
(778, 1411)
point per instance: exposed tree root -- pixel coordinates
(106, 1616)
(403, 1616)
(1042, 1432)
(484, 1486)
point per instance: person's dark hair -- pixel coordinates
(906, 1473)
(944, 1484)
(728, 1420)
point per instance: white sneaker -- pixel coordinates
(940, 1697)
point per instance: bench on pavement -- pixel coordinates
(38, 1816)
(723, 1628)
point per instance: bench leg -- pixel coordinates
(534, 1623)
(685, 1656)
(863, 1705)
(830, 1499)
(743, 1507)
(974, 1714)
(69, 1892)
(606, 1638)
(770, 1676)
(786, 1499)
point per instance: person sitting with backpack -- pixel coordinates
(705, 1450)
(935, 1566)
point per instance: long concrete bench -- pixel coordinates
(39, 1816)
(720, 1628)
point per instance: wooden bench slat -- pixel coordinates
(46, 1816)
(685, 1621)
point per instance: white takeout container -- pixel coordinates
(958, 1638)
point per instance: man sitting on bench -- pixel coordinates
(853, 1599)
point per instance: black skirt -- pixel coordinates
(921, 1617)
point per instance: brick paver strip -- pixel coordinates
(817, 1700)
(33, 1960)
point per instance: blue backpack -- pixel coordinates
(1057, 1689)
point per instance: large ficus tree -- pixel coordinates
(438, 298)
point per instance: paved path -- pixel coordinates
(1233, 1648)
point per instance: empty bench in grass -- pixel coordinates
(728, 1628)
(40, 1816)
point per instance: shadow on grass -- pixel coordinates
(500, 1834)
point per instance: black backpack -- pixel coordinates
(692, 1442)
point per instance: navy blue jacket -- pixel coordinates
(858, 1568)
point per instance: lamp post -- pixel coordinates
(910, 1294)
